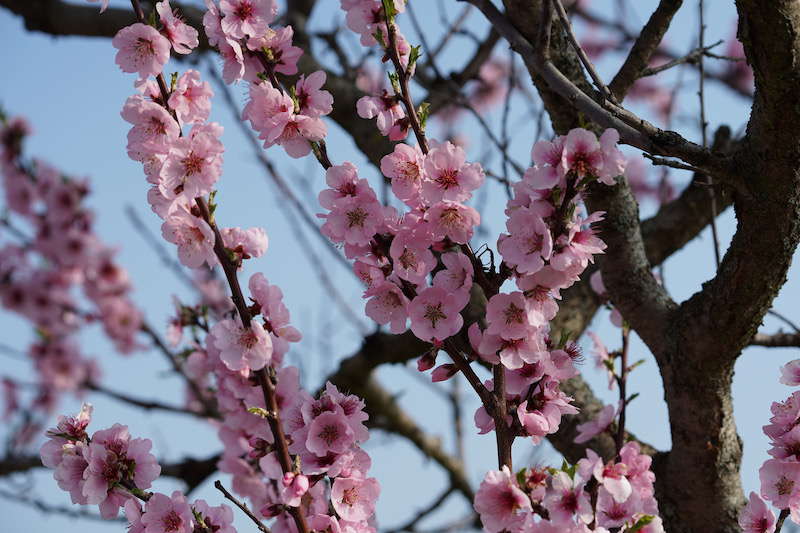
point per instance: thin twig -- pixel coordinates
(785, 320)
(701, 95)
(246, 510)
(587, 63)
(144, 404)
(695, 56)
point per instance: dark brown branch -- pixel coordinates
(776, 340)
(148, 405)
(244, 508)
(644, 47)
(633, 130)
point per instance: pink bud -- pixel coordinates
(444, 372)
(427, 361)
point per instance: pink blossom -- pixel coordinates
(292, 488)
(589, 430)
(391, 119)
(790, 373)
(280, 51)
(611, 513)
(69, 472)
(193, 165)
(509, 316)
(114, 457)
(194, 238)
(529, 243)
(141, 49)
(756, 517)
(218, 519)
(247, 18)
(405, 168)
(343, 181)
(69, 429)
(276, 315)
(567, 500)
(387, 305)
(613, 160)
(191, 98)
(354, 219)
(154, 130)
(353, 498)
(271, 113)
(242, 347)
(452, 220)
(511, 353)
(780, 482)
(499, 501)
(579, 246)
(412, 257)
(329, 432)
(245, 244)
(449, 177)
(582, 153)
(133, 513)
(435, 314)
(311, 99)
(456, 277)
(182, 36)
(610, 475)
(163, 514)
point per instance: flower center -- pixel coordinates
(243, 11)
(514, 314)
(784, 486)
(448, 178)
(350, 496)
(192, 164)
(434, 313)
(248, 339)
(172, 521)
(144, 47)
(356, 217)
(329, 434)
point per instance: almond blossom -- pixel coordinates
(141, 49)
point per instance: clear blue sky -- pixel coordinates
(71, 91)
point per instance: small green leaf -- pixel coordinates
(422, 112)
(643, 521)
(258, 411)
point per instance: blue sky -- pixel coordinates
(71, 91)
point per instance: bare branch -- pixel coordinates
(644, 47)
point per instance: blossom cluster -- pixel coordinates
(57, 273)
(593, 495)
(110, 469)
(325, 477)
(780, 475)
(255, 52)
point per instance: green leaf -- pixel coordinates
(422, 112)
(394, 79)
(643, 521)
(389, 10)
(258, 411)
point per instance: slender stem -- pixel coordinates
(623, 377)
(781, 519)
(403, 78)
(587, 63)
(502, 434)
(704, 126)
(246, 510)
